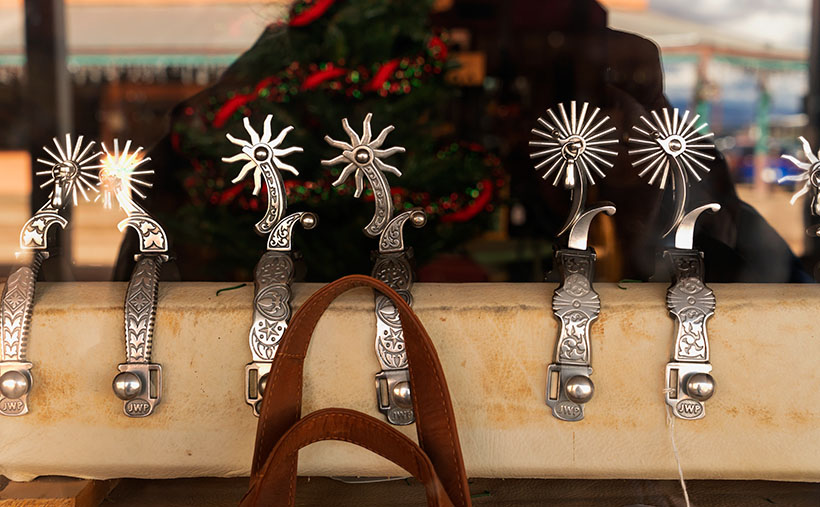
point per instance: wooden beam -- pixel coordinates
(55, 492)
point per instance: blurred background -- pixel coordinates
(119, 68)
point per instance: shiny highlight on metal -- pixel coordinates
(139, 383)
(69, 174)
(810, 175)
(363, 157)
(575, 305)
(393, 260)
(262, 155)
(572, 149)
(672, 148)
(274, 271)
(120, 179)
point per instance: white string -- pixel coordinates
(670, 424)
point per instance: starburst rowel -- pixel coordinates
(572, 145)
(263, 156)
(810, 174)
(671, 137)
(120, 178)
(572, 149)
(672, 148)
(68, 173)
(69, 170)
(364, 159)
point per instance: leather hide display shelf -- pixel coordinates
(494, 341)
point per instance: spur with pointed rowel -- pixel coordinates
(393, 266)
(573, 148)
(672, 149)
(69, 173)
(363, 158)
(274, 271)
(810, 174)
(139, 381)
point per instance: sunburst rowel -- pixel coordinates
(119, 174)
(71, 163)
(362, 151)
(573, 141)
(810, 173)
(260, 149)
(677, 138)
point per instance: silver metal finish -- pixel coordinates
(691, 303)
(576, 305)
(572, 149)
(280, 238)
(262, 155)
(364, 159)
(392, 237)
(672, 148)
(69, 174)
(120, 179)
(139, 383)
(271, 304)
(685, 235)
(579, 233)
(140, 395)
(274, 271)
(393, 267)
(810, 174)
(363, 156)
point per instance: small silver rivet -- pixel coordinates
(401, 395)
(362, 156)
(263, 383)
(260, 154)
(14, 384)
(700, 386)
(418, 218)
(308, 220)
(126, 385)
(580, 389)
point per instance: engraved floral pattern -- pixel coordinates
(691, 302)
(576, 305)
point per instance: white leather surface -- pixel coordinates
(494, 341)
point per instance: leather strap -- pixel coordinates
(346, 426)
(282, 403)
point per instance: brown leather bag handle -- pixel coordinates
(346, 426)
(435, 423)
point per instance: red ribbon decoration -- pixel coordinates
(229, 194)
(381, 75)
(310, 14)
(319, 77)
(230, 107)
(475, 208)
